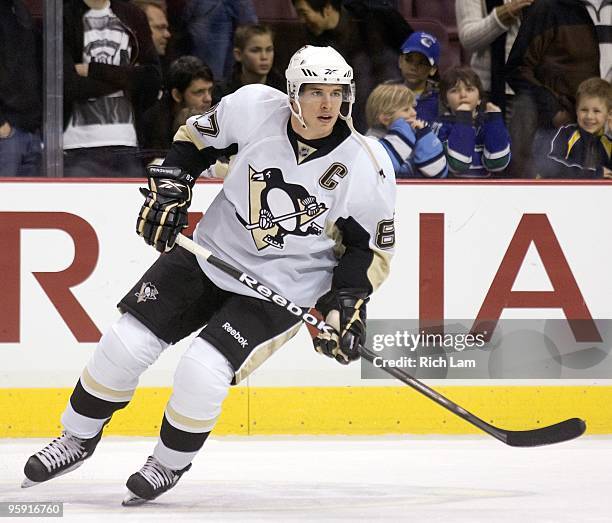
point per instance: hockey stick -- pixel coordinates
(557, 433)
(284, 217)
(563, 431)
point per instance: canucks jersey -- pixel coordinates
(302, 216)
(474, 149)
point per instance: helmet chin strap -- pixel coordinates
(298, 115)
(349, 121)
(349, 115)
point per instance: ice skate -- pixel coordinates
(152, 480)
(61, 456)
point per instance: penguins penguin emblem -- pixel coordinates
(279, 209)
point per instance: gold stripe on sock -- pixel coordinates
(100, 391)
(199, 425)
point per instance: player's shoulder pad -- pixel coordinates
(237, 114)
(253, 95)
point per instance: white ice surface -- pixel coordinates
(299, 479)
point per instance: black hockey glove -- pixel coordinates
(164, 213)
(345, 311)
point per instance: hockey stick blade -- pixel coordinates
(564, 431)
(557, 433)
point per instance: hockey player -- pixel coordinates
(307, 208)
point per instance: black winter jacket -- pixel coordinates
(20, 93)
(555, 50)
(141, 79)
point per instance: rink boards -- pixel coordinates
(70, 252)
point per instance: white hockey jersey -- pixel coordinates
(300, 216)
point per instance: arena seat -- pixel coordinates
(406, 8)
(276, 10)
(441, 10)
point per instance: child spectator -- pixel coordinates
(476, 142)
(254, 59)
(419, 66)
(582, 150)
(414, 149)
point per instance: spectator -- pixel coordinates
(487, 30)
(582, 150)
(414, 149)
(178, 43)
(158, 22)
(367, 37)
(556, 49)
(476, 142)
(111, 75)
(190, 87)
(254, 59)
(189, 92)
(211, 25)
(20, 108)
(419, 66)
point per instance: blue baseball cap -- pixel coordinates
(424, 43)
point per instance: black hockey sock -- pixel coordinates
(88, 405)
(181, 440)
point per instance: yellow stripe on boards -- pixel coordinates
(329, 410)
(36, 413)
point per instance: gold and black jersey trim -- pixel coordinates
(360, 266)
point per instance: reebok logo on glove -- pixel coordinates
(169, 184)
(164, 213)
(235, 334)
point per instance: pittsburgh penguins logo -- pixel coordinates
(147, 291)
(278, 209)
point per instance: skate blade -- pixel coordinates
(132, 500)
(27, 483)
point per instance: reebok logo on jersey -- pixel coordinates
(235, 334)
(147, 291)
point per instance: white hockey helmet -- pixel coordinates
(319, 65)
